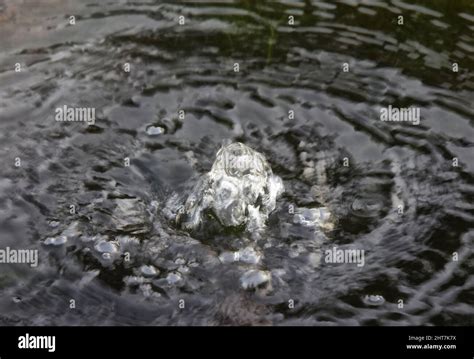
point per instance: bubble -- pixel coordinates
(149, 271)
(106, 247)
(53, 223)
(107, 256)
(373, 300)
(174, 278)
(154, 130)
(55, 241)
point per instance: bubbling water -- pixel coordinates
(240, 190)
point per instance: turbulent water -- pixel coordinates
(239, 191)
(92, 198)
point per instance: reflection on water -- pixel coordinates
(307, 95)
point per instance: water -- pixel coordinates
(115, 257)
(239, 191)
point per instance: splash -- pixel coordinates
(240, 190)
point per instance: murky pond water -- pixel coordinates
(97, 200)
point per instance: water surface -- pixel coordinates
(124, 262)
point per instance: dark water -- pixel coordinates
(190, 67)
